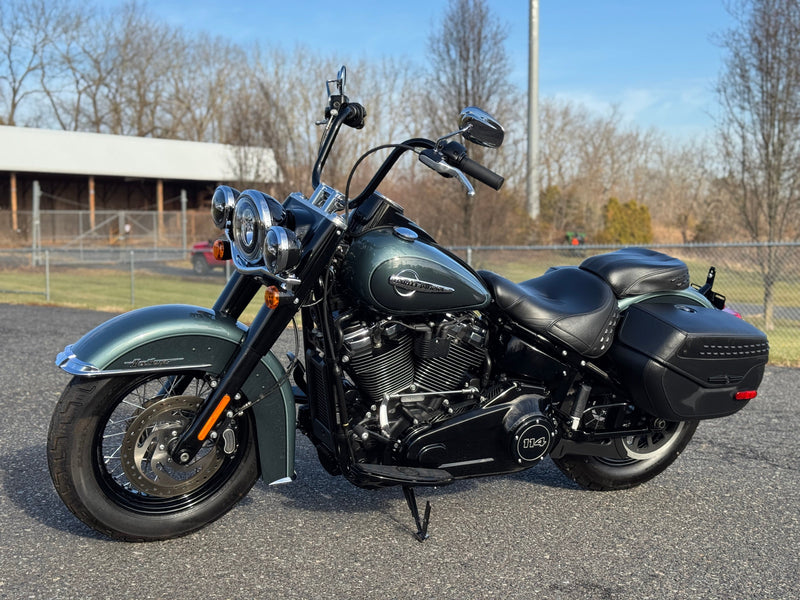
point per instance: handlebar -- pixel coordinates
(352, 115)
(452, 153)
(456, 155)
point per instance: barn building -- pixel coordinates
(94, 174)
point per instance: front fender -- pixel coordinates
(181, 337)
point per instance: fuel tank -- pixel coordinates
(391, 270)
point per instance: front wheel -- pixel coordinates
(645, 456)
(108, 452)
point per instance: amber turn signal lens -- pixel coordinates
(221, 250)
(272, 297)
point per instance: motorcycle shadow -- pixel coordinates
(315, 490)
(25, 483)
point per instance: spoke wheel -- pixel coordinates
(108, 452)
(642, 457)
(649, 446)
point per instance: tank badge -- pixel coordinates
(406, 282)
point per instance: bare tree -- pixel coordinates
(200, 87)
(73, 80)
(585, 159)
(469, 66)
(29, 31)
(681, 195)
(759, 128)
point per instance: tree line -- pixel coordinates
(90, 67)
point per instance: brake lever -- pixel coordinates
(435, 161)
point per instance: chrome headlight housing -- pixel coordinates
(254, 213)
(281, 250)
(222, 205)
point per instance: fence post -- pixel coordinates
(133, 283)
(184, 202)
(37, 224)
(469, 255)
(47, 275)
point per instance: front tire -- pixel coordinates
(645, 457)
(126, 490)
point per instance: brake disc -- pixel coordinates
(145, 452)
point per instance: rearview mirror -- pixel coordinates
(479, 127)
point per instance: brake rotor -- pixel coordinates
(145, 452)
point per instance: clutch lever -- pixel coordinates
(434, 160)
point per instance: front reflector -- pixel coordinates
(747, 395)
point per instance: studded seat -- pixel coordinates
(567, 304)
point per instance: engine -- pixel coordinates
(409, 373)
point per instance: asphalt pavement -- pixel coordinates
(722, 522)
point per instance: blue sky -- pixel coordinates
(656, 61)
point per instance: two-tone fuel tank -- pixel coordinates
(391, 270)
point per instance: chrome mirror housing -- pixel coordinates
(479, 127)
(336, 86)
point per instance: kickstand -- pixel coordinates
(422, 525)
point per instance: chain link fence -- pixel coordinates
(760, 281)
(753, 277)
(105, 229)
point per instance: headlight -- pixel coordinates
(255, 212)
(281, 250)
(222, 203)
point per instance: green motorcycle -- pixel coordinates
(413, 369)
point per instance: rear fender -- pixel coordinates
(685, 296)
(181, 337)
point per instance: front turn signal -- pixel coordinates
(221, 250)
(274, 297)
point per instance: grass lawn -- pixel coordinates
(109, 289)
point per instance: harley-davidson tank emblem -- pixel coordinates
(407, 282)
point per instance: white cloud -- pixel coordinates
(680, 109)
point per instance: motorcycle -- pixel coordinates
(415, 370)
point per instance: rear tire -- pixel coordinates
(85, 451)
(647, 456)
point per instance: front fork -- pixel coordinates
(263, 333)
(265, 330)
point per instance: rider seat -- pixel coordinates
(567, 304)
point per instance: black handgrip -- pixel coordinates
(481, 173)
(456, 155)
(357, 115)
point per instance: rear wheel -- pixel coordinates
(644, 457)
(108, 452)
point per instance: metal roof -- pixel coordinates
(24, 149)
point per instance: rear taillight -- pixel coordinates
(732, 312)
(746, 395)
